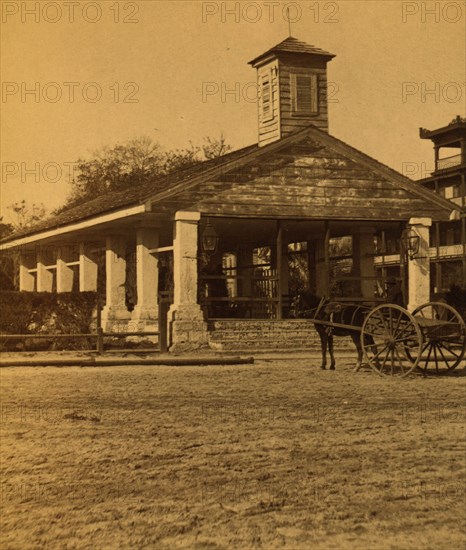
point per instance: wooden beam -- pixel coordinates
(463, 240)
(327, 255)
(279, 245)
(75, 226)
(161, 249)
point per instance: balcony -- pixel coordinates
(449, 162)
(450, 252)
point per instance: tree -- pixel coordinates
(7, 266)
(5, 229)
(26, 215)
(214, 148)
(134, 163)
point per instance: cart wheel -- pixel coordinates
(444, 335)
(391, 340)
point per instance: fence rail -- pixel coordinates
(99, 334)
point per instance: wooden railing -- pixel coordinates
(260, 302)
(99, 335)
(448, 162)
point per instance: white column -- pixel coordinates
(87, 270)
(115, 271)
(64, 273)
(44, 276)
(26, 279)
(188, 328)
(419, 268)
(363, 257)
(147, 274)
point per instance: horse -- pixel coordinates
(322, 309)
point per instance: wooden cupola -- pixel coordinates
(292, 89)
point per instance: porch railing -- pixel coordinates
(448, 162)
(261, 301)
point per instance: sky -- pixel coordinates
(77, 76)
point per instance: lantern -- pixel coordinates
(209, 239)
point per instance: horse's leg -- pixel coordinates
(357, 343)
(330, 349)
(370, 341)
(323, 345)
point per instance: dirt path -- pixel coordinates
(273, 455)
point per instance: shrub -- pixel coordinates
(47, 313)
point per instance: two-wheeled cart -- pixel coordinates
(395, 342)
(432, 338)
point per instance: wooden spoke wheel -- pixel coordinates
(391, 340)
(444, 336)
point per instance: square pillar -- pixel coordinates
(64, 272)
(363, 258)
(87, 270)
(322, 274)
(26, 280)
(187, 325)
(311, 265)
(115, 309)
(244, 261)
(44, 276)
(419, 268)
(147, 275)
(284, 282)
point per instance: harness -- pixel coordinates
(330, 309)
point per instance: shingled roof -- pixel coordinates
(293, 45)
(215, 182)
(116, 200)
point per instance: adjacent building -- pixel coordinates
(447, 251)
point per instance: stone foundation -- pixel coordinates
(234, 334)
(187, 329)
(268, 335)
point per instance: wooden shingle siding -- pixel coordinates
(269, 126)
(306, 180)
(289, 120)
(313, 176)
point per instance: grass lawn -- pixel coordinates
(274, 455)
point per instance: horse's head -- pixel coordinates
(304, 304)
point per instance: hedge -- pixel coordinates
(47, 313)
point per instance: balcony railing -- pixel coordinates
(448, 162)
(452, 251)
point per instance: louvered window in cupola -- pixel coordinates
(267, 97)
(304, 94)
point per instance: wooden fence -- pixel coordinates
(99, 335)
